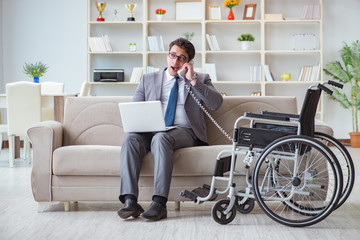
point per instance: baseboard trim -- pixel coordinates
(5, 143)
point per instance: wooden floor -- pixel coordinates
(19, 218)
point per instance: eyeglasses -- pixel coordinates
(180, 58)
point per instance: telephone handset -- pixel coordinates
(181, 74)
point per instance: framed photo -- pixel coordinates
(214, 13)
(249, 12)
(188, 10)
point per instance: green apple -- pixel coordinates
(286, 76)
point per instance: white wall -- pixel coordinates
(340, 23)
(1, 49)
(50, 31)
(54, 32)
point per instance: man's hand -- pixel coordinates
(189, 69)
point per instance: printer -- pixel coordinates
(108, 75)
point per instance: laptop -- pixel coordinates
(143, 117)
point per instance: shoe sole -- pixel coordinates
(125, 215)
(153, 218)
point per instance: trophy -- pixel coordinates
(100, 7)
(130, 8)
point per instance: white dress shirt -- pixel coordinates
(180, 114)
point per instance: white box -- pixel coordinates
(304, 41)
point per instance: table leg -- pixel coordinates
(17, 147)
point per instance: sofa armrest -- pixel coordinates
(45, 137)
(321, 126)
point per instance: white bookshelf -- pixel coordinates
(273, 44)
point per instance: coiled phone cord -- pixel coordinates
(207, 113)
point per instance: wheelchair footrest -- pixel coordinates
(198, 192)
(190, 195)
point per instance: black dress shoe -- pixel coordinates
(131, 208)
(155, 212)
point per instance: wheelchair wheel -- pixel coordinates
(345, 161)
(246, 207)
(297, 181)
(218, 214)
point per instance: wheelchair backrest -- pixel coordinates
(308, 112)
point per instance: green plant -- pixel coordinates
(35, 70)
(348, 73)
(188, 35)
(246, 37)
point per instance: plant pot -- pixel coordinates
(36, 80)
(159, 17)
(245, 45)
(355, 139)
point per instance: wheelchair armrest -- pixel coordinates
(280, 114)
(268, 117)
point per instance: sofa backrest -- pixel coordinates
(235, 107)
(97, 121)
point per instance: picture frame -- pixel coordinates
(188, 10)
(214, 13)
(249, 12)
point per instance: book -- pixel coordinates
(155, 43)
(277, 16)
(215, 42)
(136, 74)
(211, 47)
(311, 12)
(210, 69)
(268, 75)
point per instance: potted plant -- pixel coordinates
(347, 72)
(245, 40)
(35, 70)
(188, 35)
(160, 14)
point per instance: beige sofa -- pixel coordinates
(79, 160)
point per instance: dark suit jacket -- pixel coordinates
(149, 89)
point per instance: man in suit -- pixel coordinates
(190, 129)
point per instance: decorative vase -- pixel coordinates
(159, 17)
(231, 15)
(355, 139)
(36, 80)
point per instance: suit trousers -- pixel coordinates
(162, 145)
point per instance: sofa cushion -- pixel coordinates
(97, 160)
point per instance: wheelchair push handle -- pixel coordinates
(322, 87)
(335, 84)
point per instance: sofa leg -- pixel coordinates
(177, 205)
(67, 206)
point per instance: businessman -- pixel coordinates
(180, 110)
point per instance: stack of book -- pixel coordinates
(150, 69)
(255, 73)
(311, 12)
(310, 73)
(136, 74)
(100, 44)
(212, 42)
(155, 43)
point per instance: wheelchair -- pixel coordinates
(299, 176)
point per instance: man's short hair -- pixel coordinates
(186, 45)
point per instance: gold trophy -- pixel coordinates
(100, 7)
(130, 8)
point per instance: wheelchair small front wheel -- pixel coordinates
(246, 207)
(218, 212)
